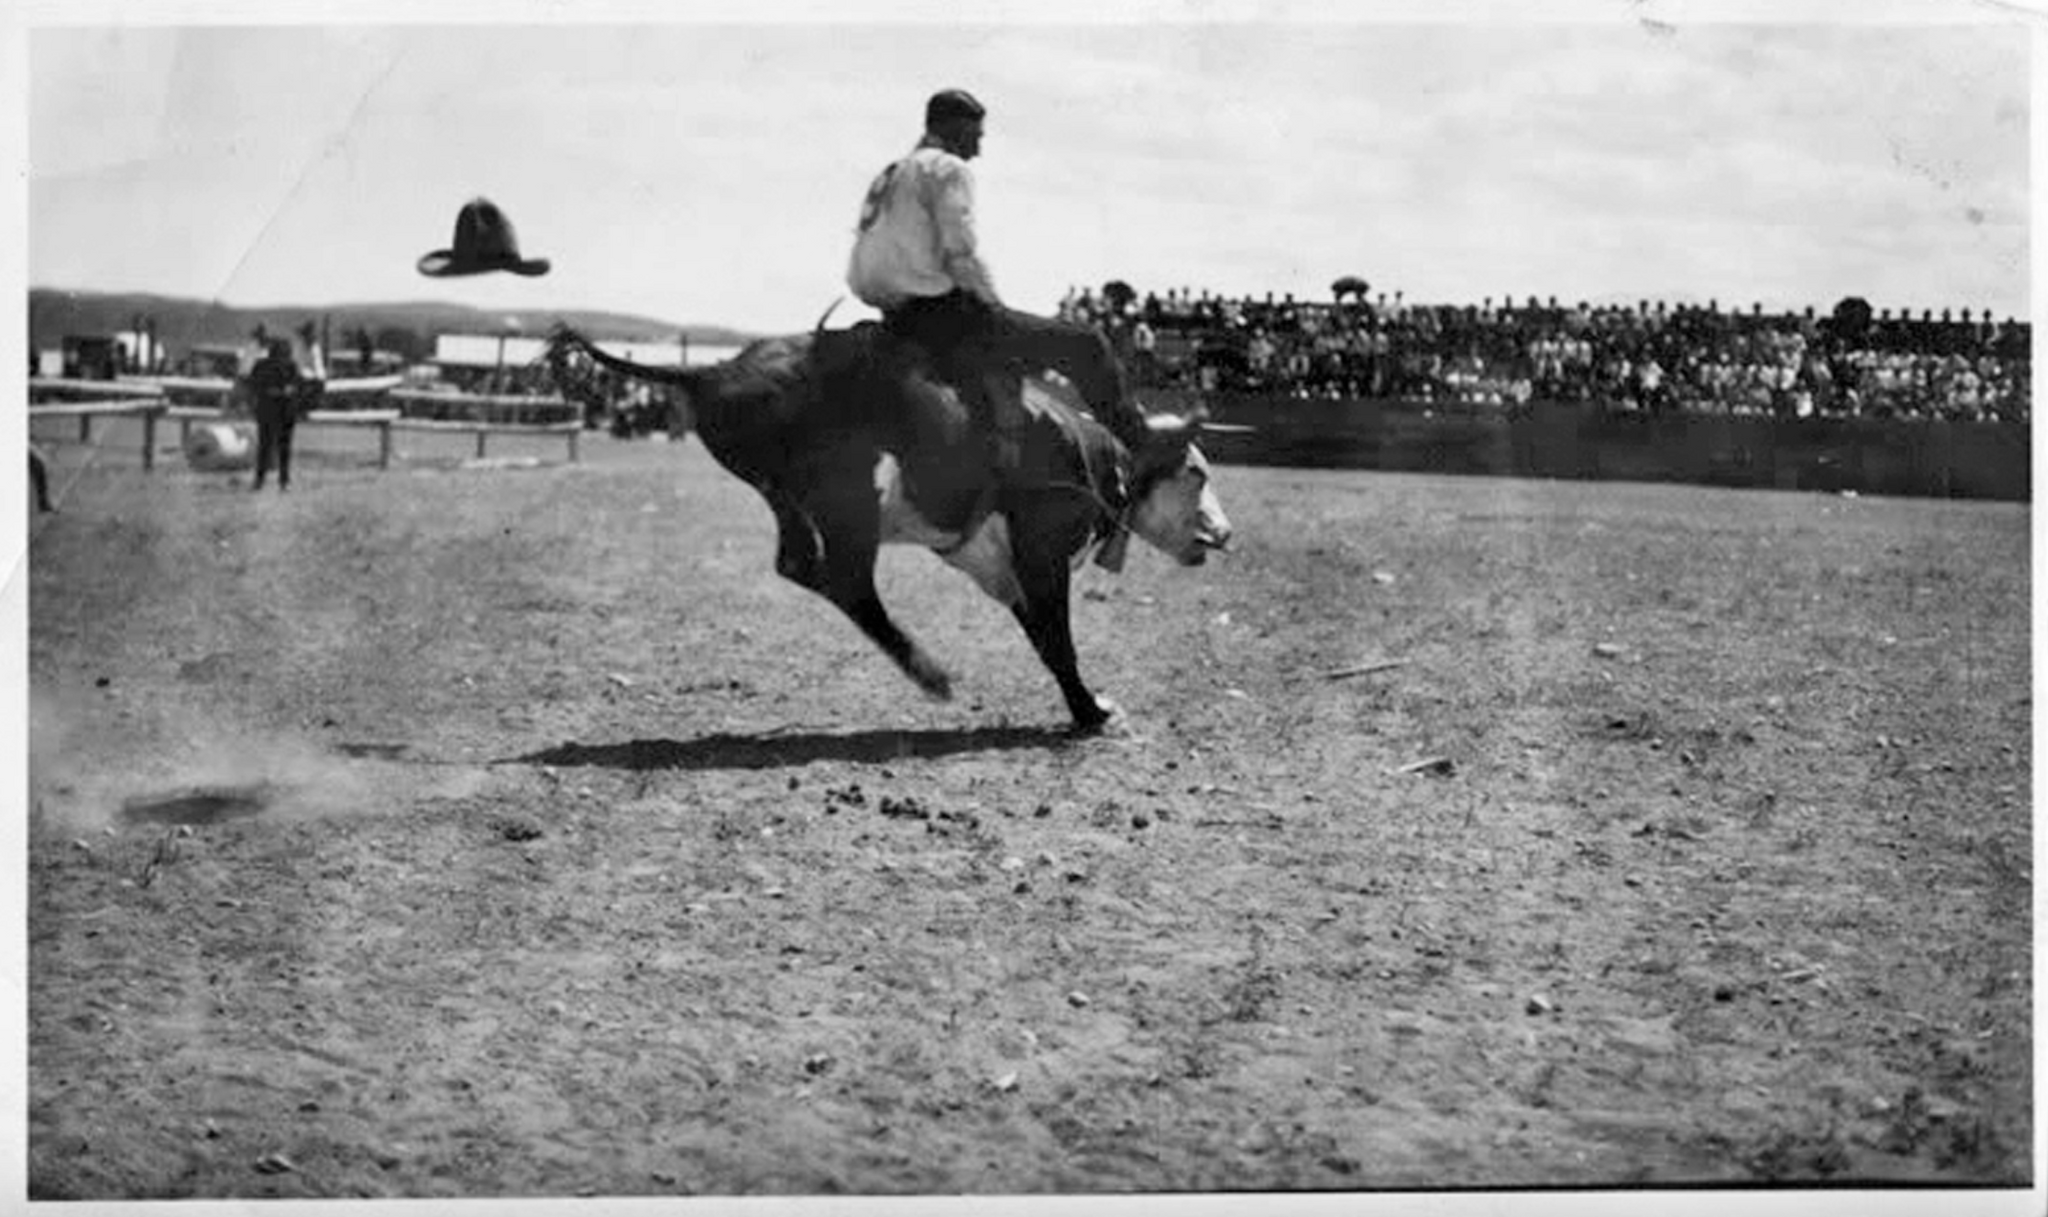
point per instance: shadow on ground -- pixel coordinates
(778, 750)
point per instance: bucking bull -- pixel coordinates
(854, 444)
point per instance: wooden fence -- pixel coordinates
(484, 416)
(418, 411)
(1917, 457)
(148, 409)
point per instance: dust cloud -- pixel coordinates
(84, 771)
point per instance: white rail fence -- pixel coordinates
(443, 413)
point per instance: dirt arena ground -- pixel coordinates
(513, 831)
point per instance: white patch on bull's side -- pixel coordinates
(901, 523)
(985, 557)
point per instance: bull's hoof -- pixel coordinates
(933, 679)
(804, 572)
(1105, 718)
(1110, 556)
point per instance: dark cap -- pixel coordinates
(951, 105)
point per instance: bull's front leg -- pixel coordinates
(1043, 612)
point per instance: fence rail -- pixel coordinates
(41, 385)
(480, 416)
(148, 409)
(497, 410)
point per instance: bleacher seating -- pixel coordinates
(1649, 357)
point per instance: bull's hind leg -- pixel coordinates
(797, 556)
(851, 532)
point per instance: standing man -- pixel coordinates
(275, 383)
(915, 259)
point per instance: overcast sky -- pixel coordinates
(712, 173)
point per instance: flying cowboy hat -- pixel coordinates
(484, 242)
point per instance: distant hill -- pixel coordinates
(182, 323)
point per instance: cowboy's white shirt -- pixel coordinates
(916, 232)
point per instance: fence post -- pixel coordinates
(480, 433)
(149, 439)
(572, 444)
(85, 428)
(384, 445)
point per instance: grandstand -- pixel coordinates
(1649, 357)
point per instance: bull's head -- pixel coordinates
(1176, 508)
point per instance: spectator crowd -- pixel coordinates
(1649, 357)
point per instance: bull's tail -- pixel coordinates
(564, 341)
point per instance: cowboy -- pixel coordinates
(275, 383)
(915, 259)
